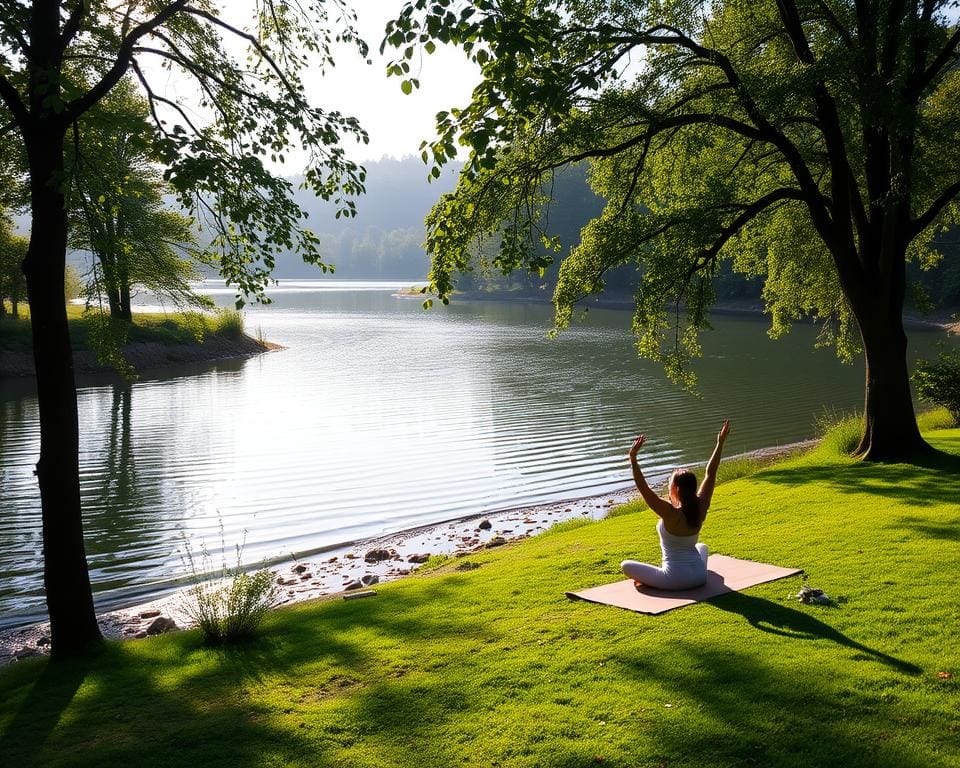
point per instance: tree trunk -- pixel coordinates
(126, 312)
(73, 622)
(890, 431)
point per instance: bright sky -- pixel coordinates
(396, 123)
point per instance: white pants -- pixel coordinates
(676, 577)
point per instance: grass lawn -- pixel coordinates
(164, 328)
(495, 667)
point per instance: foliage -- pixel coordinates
(495, 666)
(13, 249)
(233, 607)
(939, 382)
(935, 418)
(814, 145)
(118, 212)
(72, 284)
(168, 329)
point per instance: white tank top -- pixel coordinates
(679, 551)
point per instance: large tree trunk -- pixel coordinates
(890, 431)
(890, 424)
(73, 623)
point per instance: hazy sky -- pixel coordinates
(396, 123)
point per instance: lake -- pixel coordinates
(378, 417)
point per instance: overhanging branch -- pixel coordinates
(935, 209)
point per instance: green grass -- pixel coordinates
(495, 667)
(168, 329)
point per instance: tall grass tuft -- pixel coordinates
(936, 418)
(228, 323)
(841, 432)
(232, 606)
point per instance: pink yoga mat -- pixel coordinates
(724, 574)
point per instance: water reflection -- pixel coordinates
(379, 416)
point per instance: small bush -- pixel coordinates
(232, 606)
(939, 382)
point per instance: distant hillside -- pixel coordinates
(384, 239)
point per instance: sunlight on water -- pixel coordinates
(378, 417)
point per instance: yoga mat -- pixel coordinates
(724, 574)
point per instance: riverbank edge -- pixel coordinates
(336, 572)
(146, 356)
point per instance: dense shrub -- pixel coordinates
(939, 382)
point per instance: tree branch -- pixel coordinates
(750, 212)
(122, 62)
(153, 98)
(819, 211)
(924, 221)
(941, 61)
(72, 25)
(11, 98)
(249, 38)
(842, 32)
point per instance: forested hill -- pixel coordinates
(384, 240)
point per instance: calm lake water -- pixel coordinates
(379, 417)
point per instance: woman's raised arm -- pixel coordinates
(660, 506)
(710, 476)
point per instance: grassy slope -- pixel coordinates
(494, 666)
(164, 328)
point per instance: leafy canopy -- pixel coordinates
(244, 104)
(789, 137)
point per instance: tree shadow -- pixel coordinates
(121, 707)
(948, 530)
(795, 624)
(750, 713)
(44, 705)
(896, 481)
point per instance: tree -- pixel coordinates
(13, 248)
(816, 143)
(214, 149)
(117, 210)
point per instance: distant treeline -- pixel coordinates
(385, 239)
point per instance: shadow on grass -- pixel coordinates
(43, 707)
(174, 701)
(795, 624)
(752, 713)
(948, 530)
(897, 481)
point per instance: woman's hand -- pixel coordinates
(724, 431)
(637, 445)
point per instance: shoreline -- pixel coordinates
(145, 356)
(362, 564)
(947, 319)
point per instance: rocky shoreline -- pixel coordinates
(351, 570)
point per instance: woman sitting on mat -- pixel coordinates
(681, 518)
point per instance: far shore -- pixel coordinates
(362, 564)
(947, 318)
